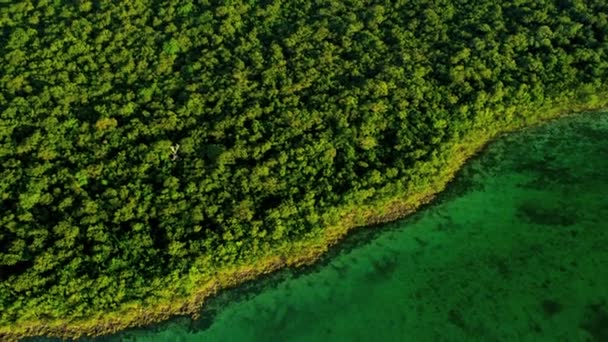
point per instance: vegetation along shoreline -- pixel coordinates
(153, 152)
(362, 217)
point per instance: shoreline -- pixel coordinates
(304, 252)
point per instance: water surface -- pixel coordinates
(515, 250)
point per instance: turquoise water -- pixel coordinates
(515, 250)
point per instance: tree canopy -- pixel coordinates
(145, 141)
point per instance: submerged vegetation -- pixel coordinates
(152, 151)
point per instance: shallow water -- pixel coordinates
(515, 249)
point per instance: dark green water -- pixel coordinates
(515, 250)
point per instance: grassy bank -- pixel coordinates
(303, 252)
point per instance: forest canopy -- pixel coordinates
(143, 142)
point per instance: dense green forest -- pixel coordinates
(146, 144)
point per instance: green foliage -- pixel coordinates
(147, 143)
